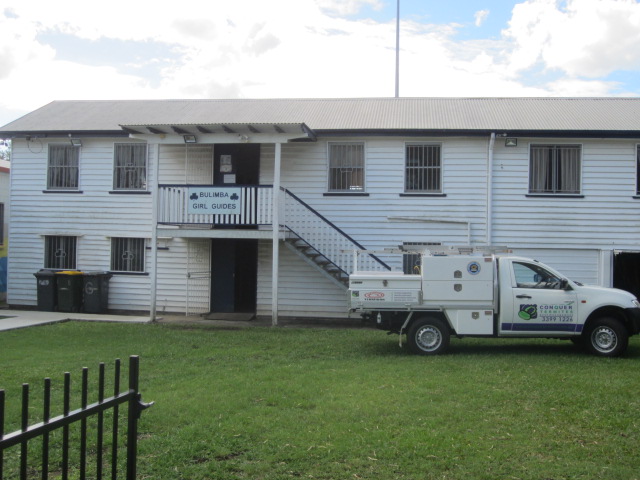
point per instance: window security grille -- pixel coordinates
(423, 169)
(60, 252)
(62, 171)
(346, 167)
(130, 166)
(412, 262)
(127, 254)
(555, 169)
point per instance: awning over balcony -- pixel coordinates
(208, 133)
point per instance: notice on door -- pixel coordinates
(215, 200)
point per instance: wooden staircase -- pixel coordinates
(322, 244)
(319, 261)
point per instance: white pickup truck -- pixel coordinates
(491, 295)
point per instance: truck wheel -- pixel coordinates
(428, 336)
(606, 337)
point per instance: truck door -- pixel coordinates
(540, 305)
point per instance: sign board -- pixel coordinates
(215, 200)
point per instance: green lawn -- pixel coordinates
(278, 403)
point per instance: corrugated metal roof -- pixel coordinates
(357, 114)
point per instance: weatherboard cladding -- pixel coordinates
(356, 114)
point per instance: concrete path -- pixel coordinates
(12, 319)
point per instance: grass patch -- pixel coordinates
(278, 403)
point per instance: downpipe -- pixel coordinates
(489, 223)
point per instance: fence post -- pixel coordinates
(24, 425)
(132, 433)
(1, 431)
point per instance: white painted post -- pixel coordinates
(154, 234)
(276, 234)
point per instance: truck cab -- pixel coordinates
(493, 295)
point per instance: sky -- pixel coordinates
(143, 49)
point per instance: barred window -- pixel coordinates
(60, 252)
(346, 167)
(62, 170)
(412, 262)
(127, 254)
(423, 172)
(555, 169)
(130, 166)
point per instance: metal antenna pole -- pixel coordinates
(398, 50)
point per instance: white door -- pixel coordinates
(198, 276)
(540, 305)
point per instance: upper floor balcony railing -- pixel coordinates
(198, 205)
(208, 204)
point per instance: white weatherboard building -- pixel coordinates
(178, 199)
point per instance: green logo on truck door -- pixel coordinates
(528, 312)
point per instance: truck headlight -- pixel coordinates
(635, 303)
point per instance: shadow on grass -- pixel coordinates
(497, 347)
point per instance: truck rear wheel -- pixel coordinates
(606, 337)
(428, 336)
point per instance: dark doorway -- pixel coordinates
(234, 275)
(236, 164)
(626, 271)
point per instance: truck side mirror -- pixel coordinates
(564, 284)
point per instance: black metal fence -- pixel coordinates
(103, 467)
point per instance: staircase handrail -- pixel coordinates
(333, 226)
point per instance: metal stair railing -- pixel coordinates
(325, 239)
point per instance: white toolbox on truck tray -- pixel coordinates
(458, 279)
(385, 290)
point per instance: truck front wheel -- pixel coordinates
(606, 337)
(428, 336)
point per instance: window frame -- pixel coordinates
(58, 241)
(554, 177)
(56, 175)
(349, 189)
(142, 176)
(123, 266)
(425, 168)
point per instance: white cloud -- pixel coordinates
(588, 38)
(347, 7)
(480, 17)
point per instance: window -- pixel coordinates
(534, 276)
(423, 169)
(412, 262)
(60, 252)
(346, 167)
(127, 254)
(62, 171)
(555, 169)
(130, 166)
